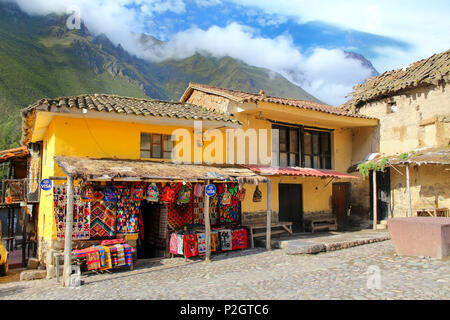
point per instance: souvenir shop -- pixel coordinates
(151, 218)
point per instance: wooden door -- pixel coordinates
(383, 194)
(290, 198)
(340, 202)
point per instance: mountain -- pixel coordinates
(366, 63)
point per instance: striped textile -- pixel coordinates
(108, 261)
(127, 251)
(114, 259)
(120, 255)
(112, 242)
(101, 252)
(93, 260)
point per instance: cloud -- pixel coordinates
(423, 24)
(327, 74)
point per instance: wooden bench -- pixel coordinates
(321, 222)
(252, 227)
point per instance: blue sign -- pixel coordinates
(46, 184)
(210, 190)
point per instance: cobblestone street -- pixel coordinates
(257, 274)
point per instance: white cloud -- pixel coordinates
(327, 74)
(423, 24)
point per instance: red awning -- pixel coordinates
(298, 171)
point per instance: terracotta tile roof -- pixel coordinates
(131, 106)
(298, 171)
(432, 71)
(21, 152)
(240, 96)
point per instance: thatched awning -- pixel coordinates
(136, 170)
(6, 155)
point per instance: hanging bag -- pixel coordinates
(87, 193)
(152, 193)
(168, 194)
(137, 191)
(184, 195)
(226, 197)
(241, 194)
(257, 196)
(110, 194)
(198, 190)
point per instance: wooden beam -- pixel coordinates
(269, 215)
(375, 208)
(207, 225)
(68, 233)
(408, 191)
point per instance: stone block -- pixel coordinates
(303, 247)
(33, 263)
(32, 275)
(421, 236)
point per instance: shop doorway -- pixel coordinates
(153, 240)
(291, 205)
(340, 202)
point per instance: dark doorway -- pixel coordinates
(291, 205)
(340, 202)
(383, 194)
(152, 241)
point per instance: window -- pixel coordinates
(157, 146)
(317, 150)
(298, 146)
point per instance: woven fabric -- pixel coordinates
(93, 260)
(190, 245)
(114, 259)
(127, 249)
(180, 244)
(239, 239)
(201, 243)
(215, 241)
(102, 256)
(179, 215)
(83, 252)
(229, 210)
(173, 243)
(112, 242)
(120, 255)
(81, 214)
(127, 210)
(108, 261)
(225, 240)
(103, 219)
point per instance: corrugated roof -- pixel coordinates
(6, 155)
(240, 96)
(431, 71)
(298, 171)
(107, 169)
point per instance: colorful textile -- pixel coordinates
(215, 241)
(83, 252)
(152, 193)
(93, 260)
(81, 214)
(114, 258)
(173, 243)
(120, 255)
(111, 242)
(239, 239)
(229, 205)
(180, 244)
(168, 194)
(127, 210)
(179, 215)
(103, 219)
(127, 249)
(110, 194)
(201, 243)
(225, 240)
(198, 190)
(137, 191)
(108, 261)
(190, 245)
(184, 195)
(87, 193)
(101, 252)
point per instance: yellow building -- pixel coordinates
(303, 148)
(306, 158)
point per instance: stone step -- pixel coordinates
(381, 226)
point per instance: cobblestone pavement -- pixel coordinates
(258, 274)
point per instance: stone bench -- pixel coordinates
(421, 236)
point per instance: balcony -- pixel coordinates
(13, 191)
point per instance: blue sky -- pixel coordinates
(303, 40)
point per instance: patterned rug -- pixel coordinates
(103, 220)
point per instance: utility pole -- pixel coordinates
(68, 234)
(207, 225)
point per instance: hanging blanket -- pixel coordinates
(114, 259)
(180, 244)
(127, 251)
(190, 245)
(102, 256)
(179, 214)
(173, 243)
(93, 260)
(120, 255)
(215, 241)
(108, 262)
(201, 240)
(127, 210)
(225, 239)
(103, 219)
(239, 239)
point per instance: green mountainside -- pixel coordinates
(40, 57)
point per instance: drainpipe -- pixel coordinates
(68, 234)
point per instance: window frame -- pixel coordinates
(325, 157)
(151, 144)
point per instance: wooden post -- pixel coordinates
(269, 215)
(68, 234)
(24, 231)
(375, 208)
(207, 225)
(408, 191)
